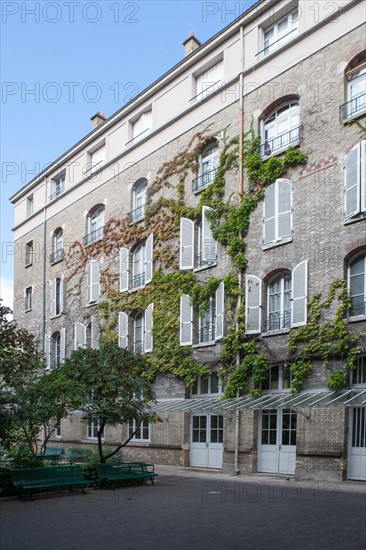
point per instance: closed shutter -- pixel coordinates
(299, 294)
(269, 215)
(94, 333)
(93, 281)
(209, 81)
(363, 175)
(352, 182)
(48, 351)
(220, 296)
(63, 345)
(122, 330)
(148, 344)
(209, 245)
(186, 244)
(186, 320)
(80, 335)
(284, 206)
(53, 297)
(149, 258)
(124, 258)
(253, 293)
(98, 158)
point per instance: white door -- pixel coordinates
(277, 441)
(357, 444)
(207, 441)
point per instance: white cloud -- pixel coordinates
(6, 292)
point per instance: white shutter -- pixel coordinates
(210, 80)
(299, 294)
(124, 259)
(352, 182)
(148, 343)
(253, 294)
(269, 215)
(53, 297)
(220, 294)
(48, 351)
(122, 330)
(62, 283)
(186, 320)
(186, 256)
(80, 336)
(63, 345)
(284, 208)
(363, 175)
(149, 258)
(94, 333)
(97, 158)
(209, 245)
(93, 281)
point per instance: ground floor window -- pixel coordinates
(143, 432)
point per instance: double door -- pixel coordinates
(277, 441)
(357, 444)
(207, 434)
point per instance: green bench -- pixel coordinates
(29, 479)
(125, 471)
(51, 454)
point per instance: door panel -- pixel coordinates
(206, 449)
(357, 444)
(277, 441)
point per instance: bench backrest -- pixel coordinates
(23, 476)
(53, 451)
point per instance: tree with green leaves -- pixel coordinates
(108, 386)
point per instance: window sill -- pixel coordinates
(203, 267)
(356, 318)
(139, 443)
(361, 216)
(28, 310)
(275, 332)
(280, 242)
(28, 265)
(135, 289)
(204, 344)
(352, 117)
(280, 151)
(56, 261)
(91, 304)
(56, 316)
(200, 189)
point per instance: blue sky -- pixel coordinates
(61, 61)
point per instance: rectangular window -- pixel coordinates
(28, 298)
(282, 31)
(30, 205)
(57, 186)
(58, 429)
(96, 159)
(28, 253)
(143, 432)
(93, 427)
(209, 81)
(211, 385)
(142, 126)
(358, 373)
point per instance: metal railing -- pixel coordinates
(210, 258)
(269, 49)
(56, 193)
(203, 180)
(207, 333)
(137, 214)
(278, 321)
(292, 137)
(56, 256)
(355, 106)
(138, 280)
(94, 236)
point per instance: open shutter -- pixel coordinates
(122, 330)
(93, 281)
(149, 258)
(209, 245)
(186, 244)
(186, 320)
(363, 175)
(94, 333)
(80, 336)
(284, 207)
(53, 297)
(148, 343)
(63, 345)
(352, 175)
(47, 349)
(62, 283)
(269, 215)
(124, 259)
(253, 295)
(299, 294)
(220, 293)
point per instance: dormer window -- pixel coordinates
(209, 81)
(141, 127)
(96, 158)
(57, 185)
(282, 31)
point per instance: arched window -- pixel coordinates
(281, 128)
(355, 88)
(279, 301)
(57, 246)
(138, 200)
(357, 285)
(208, 164)
(95, 224)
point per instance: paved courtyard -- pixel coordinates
(191, 511)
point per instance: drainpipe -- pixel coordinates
(44, 264)
(240, 274)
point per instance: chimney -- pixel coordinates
(97, 119)
(191, 44)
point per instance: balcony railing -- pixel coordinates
(353, 108)
(204, 180)
(94, 236)
(278, 321)
(137, 214)
(138, 280)
(56, 193)
(278, 143)
(207, 333)
(56, 256)
(209, 258)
